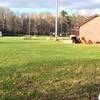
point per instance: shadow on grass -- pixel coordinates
(25, 89)
(85, 92)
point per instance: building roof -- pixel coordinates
(87, 20)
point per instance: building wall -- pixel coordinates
(91, 30)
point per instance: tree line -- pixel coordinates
(12, 24)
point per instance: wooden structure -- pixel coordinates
(89, 31)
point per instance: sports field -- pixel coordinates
(41, 69)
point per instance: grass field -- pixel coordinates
(41, 69)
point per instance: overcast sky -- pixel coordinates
(49, 5)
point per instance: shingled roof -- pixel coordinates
(87, 20)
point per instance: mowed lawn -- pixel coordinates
(41, 69)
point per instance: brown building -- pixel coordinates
(89, 31)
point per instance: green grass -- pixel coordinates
(41, 69)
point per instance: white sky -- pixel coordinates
(49, 5)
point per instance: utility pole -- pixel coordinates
(4, 18)
(56, 21)
(29, 25)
